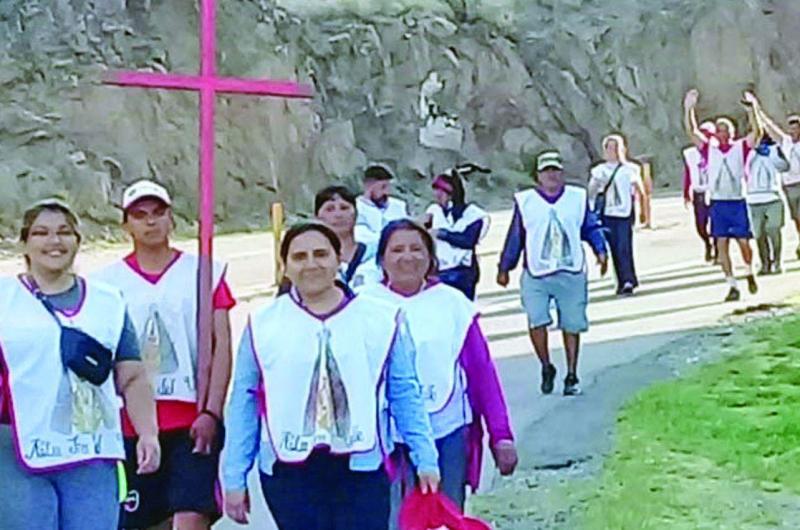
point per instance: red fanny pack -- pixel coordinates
(435, 512)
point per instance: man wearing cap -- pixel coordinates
(695, 190)
(789, 143)
(375, 208)
(159, 283)
(549, 223)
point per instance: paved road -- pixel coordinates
(678, 292)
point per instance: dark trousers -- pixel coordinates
(620, 241)
(702, 216)
(462, 278)
(322, 493)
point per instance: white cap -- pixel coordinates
(143, 189)
(549, 159)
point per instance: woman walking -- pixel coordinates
(457, 226)
(613, 185)
(320, 374)
(68, 347)
(460, 386)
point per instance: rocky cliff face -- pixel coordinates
(417, 87)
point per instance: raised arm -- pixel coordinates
(690, 119)
(769, 125)
(753, 106)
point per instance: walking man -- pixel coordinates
(764, 202)
(376, 208)
(725, 155)
(789, 142)
(159, 284)
(549, 223)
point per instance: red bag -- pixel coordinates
(434, 511)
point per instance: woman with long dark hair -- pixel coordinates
(458, 227)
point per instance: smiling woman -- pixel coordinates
(57, 413)
(326, 372)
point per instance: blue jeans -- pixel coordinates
(81, 497)
(452, 466)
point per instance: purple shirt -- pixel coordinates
(591, 232)
(486, 399)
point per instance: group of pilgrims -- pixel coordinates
(365, 381)
(737, 187)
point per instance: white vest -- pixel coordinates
(367, 271)
(165, 316)
(324, 380)
(553, 231)
(698, 174)
(619, 197)
(370, 219)
(763, 177)
(448, 255)
(439, 318)
(726, 173)
(59, 419)
(791, 150)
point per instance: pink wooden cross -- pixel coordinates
(208, 84)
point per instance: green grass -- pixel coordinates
(717, 449)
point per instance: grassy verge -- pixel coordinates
(718, 449)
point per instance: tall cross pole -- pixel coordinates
(208, 85)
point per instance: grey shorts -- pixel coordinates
(793, 200)
(78, 498)
(569, 291)
(766, 217)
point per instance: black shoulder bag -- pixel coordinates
(80, 352)
(600, 200)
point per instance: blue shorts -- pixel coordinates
(569, 291)
(730, 219)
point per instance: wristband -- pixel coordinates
(214, 416)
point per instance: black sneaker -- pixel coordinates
(752, 286)
(764, 271)
(709, 254)
(627, 289)
(733, 295)
(571, 385)
(548, 378)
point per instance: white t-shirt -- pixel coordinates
(619, 197)
(791, 150)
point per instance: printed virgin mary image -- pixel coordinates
(327, 408)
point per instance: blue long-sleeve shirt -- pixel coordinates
(467, 239)
(243, 422)
(591, 232)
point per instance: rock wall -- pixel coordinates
(517, 76)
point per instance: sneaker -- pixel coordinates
(764, 270)
(752, 286)
(777, 269)
(571, 385)
(627, 289)
(548, 378)
(709, 254)
(733, 295)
